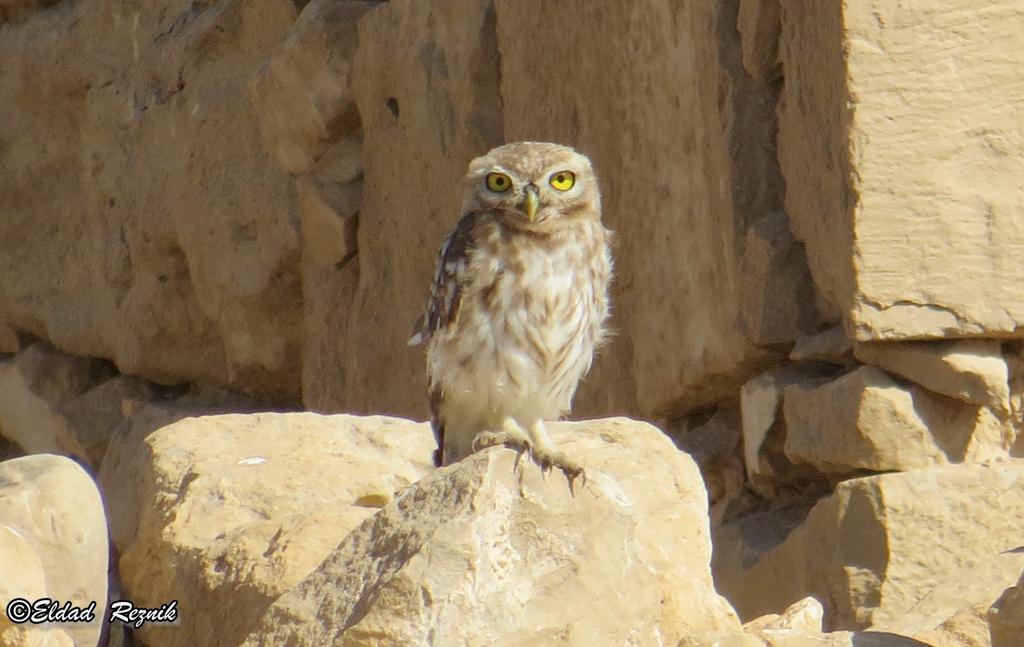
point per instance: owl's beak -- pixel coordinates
(531, 200)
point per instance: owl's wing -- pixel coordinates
(449, 278)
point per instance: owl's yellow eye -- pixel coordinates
(563, 180)
(498, 182)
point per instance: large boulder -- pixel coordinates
(877, 546)
(53, 543)
(142, 222)
(478, 554)
(902, 152)
(224, 513)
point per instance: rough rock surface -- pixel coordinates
(22, 576)
(883, 105)
(141, 220)
(57, 403)
(761, 406)
(865, 420)
(234, 510)
(830, 345)
(1006, 617)
(880, 544)
(954, 613)
(52, 523)
(974, 370)
(472, 554)
(759, 26)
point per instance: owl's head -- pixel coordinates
(535, 184)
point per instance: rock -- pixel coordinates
(1006, 617)
(760, 403)
(330, 198)
(29, 420)
(871, 126)
(715, 447)
(758, 23)
(51, 402)
(848, 639)
(804, 616)
(22, 576)
(800, 626)
(310, 122)
(52, 522)
(865, 420)
(473, 555)
(880, 544)
(974, 370)
(778, 299)
(303, 94)
(9, 342)
(830, 345)
(1015, 365)
(234, 510)
(953, 613)
(143, 223)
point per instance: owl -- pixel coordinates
(519, 303)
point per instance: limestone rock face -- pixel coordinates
(472, 554)
(53, 543)
(1006, 617)
(881, 544)
(865, 420)
(759, 25)
(54, 402)
(142, 222)
(955, 612)
(974, 371)
(234, 510)
(878, 116)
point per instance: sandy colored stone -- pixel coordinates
(234, 510)
(865, 420)
(804, 616)
(758, 23)
(778, 299)
(1006, 616)
(830, 345)
(54, 509)
(8, 339)
(303, 93)
(29, 420)
(848, 639)
(901, 148)
(880, 544)
(954, 613)
(330, 197)
(973, 370)
(142, 222)
(473, 555)
(1015, 365)
(329, 200)
(51, 402)
(761, 406)
(715, 446)
(22, 576)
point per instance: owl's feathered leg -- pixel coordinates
(511, 435)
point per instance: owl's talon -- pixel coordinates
(549, 459)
